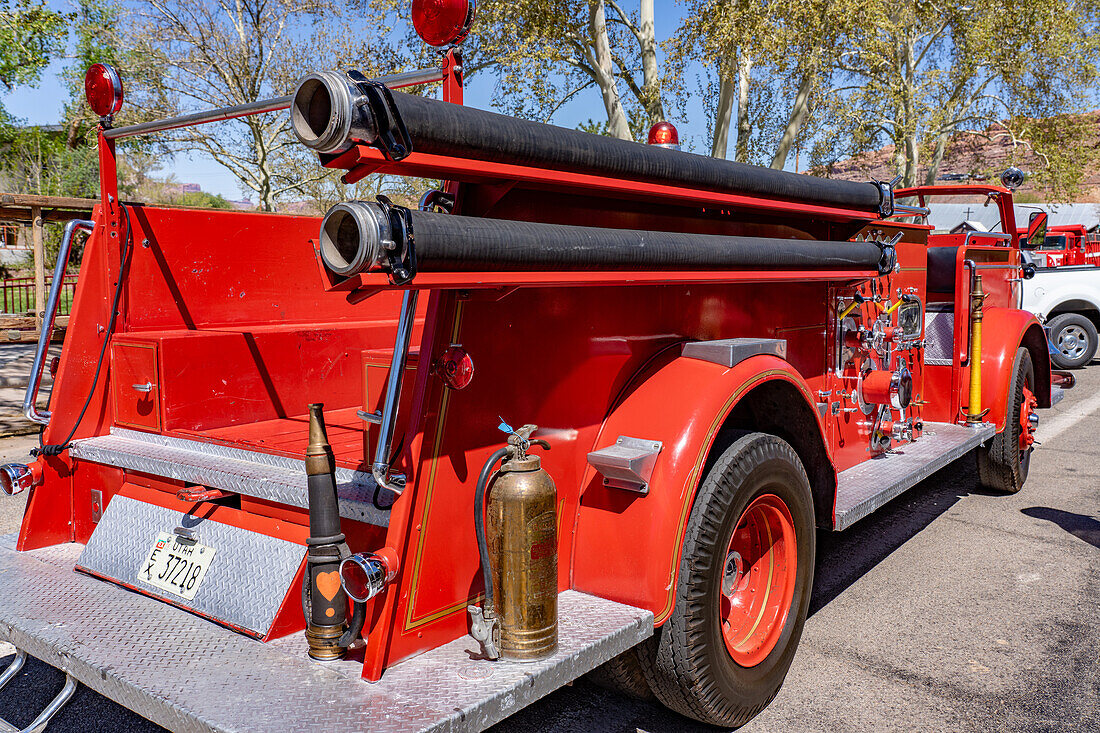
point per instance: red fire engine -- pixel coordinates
(1063, 245)
(719, 359)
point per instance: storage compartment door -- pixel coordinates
(136, 385)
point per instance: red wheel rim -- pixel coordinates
(1027, 423)
(758, 578)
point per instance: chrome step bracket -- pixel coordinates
(38, 725)
(731, 352)
(262, 475)
(247, 581)
(627, 464)
(175, 668)
(864, 488)
(42, 720)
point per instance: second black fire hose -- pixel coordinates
(359, 236)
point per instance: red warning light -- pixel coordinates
(103, 89)
(456, 367)
(443, 22)
(664, 135)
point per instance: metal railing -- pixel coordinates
(904, 210)
(30, 406)
(17, 295)
(393, 81)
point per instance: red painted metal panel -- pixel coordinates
(627, 546)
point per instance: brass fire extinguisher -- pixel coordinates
(519, 554)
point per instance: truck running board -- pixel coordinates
(864, 488)
(188, 674)
(260, 475)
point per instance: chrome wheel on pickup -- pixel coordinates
(1074, 338)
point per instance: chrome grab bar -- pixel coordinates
(393, 81)
(30, 409)
(381, 468)
(904, 210)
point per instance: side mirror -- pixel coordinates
(1027, 265)
(1036, 229)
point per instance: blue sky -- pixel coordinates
(43, 105)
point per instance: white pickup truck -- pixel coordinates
(1067, 302)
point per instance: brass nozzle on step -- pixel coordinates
(319, 456)
(324, 600)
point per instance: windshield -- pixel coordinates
(1052, 242)
(960, 212)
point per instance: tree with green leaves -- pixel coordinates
(769, 64)
(547, 52)
(916, 73)
(217, 53)
(30, 36)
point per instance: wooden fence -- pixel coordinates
(17, 295)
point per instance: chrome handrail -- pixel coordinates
(393, 81)
(381, 467)
(905, 210)
(30, 409)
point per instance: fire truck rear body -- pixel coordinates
(227, 329)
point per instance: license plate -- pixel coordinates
(176, 565)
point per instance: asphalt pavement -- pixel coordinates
(950, 609)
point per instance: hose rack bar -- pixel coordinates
(274, 104)
(362, 160)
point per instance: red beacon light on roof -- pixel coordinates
(103, 89)
(664, 135)
(443, 22)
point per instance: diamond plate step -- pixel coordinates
(188, 674)
(261, 475)
(864, 488)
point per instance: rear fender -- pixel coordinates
(1004, 330)
(627, 545)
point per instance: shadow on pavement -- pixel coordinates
(1084, 528)
(845, 557)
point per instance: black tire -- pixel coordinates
(686, 663)
(1002, 466)
(1074, 338)
(623, 675)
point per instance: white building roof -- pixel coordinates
(946, 217)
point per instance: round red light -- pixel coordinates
(356, 583)
(665, 135)
(443, 22)
(103, 89)
(456, 368)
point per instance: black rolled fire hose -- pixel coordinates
(479, 524)
(328, 114)
(359, 236)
